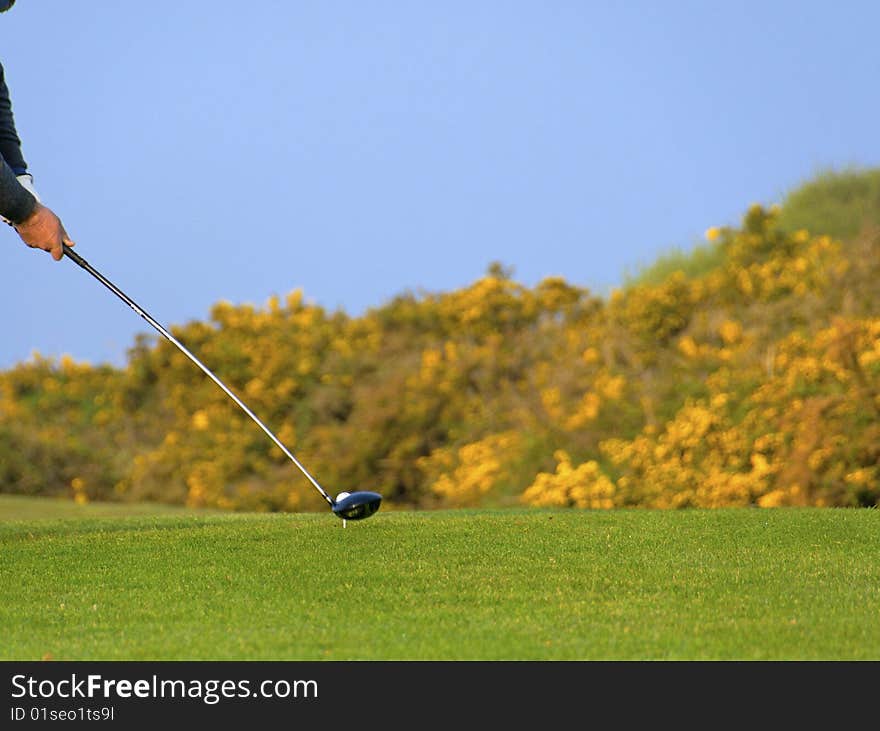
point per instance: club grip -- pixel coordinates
(71, 254)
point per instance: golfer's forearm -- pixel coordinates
(10, 144)
(16, 203)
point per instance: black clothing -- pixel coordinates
(10, 144)
(16, 203)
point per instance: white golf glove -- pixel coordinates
(27, 182)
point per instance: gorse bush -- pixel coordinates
(752, 380)
(695, 262)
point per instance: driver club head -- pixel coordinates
(356, 505)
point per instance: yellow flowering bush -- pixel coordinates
(466, 475)
(584, 486)
(751, 379)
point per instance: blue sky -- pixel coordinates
(205, 151)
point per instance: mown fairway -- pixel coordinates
(556, 585)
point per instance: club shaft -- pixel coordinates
(77, 259)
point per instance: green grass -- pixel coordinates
(785, 584)
(835, 202)
(18, 507)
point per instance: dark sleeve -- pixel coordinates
(10, 144)
(16, 203)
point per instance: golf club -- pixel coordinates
(348, 506)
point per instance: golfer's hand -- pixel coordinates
(44, 230)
